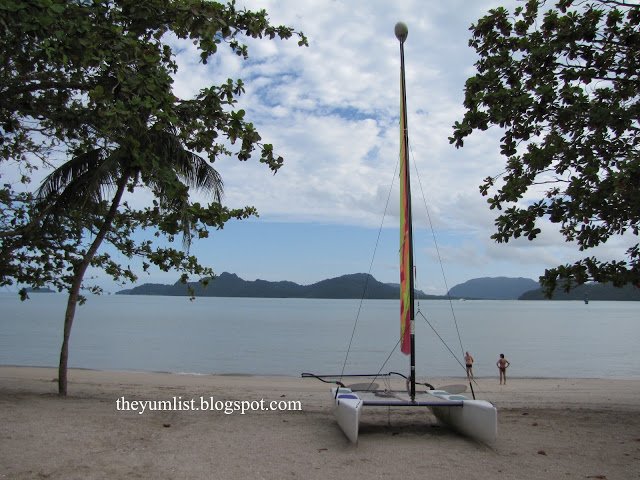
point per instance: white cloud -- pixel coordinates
(332, 109)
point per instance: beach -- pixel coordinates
(156, 426)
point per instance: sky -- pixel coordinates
(332, 110)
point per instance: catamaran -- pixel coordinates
(474, 418)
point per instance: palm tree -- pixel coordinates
(158, 161)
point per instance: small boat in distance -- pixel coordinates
(476, 418)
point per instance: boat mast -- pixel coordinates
(401, 32)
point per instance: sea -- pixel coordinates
(259, 336)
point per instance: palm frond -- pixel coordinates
(193, 170)
(64, 175)
(202, 176)
(85, 179)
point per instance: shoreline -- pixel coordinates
(459, 379)
(547, 428)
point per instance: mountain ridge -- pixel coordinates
(231, 285)
(494, 288)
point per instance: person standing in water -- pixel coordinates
(502, 365)
(468, 360)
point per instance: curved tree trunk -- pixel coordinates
(74, 291)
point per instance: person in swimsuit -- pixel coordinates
(502, 365)
(468, 360)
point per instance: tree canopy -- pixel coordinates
(81, 76)
(562, 82)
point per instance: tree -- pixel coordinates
(563, 85)
(92, 81)
(81, 183)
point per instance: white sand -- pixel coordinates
(548, 429)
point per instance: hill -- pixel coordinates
(230, 285)
(494, 288)
(590, 291)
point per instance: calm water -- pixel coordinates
(290, 336)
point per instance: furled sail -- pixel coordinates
(406, 245)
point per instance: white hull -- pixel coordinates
(477, 419)
(347, 411)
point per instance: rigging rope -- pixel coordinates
(441, 339)
(444, 278)
(471, 380)
(366, 284)
(435, 242)
(385, 362)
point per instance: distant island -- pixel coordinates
(353, 285)
(493, 288)
(39, 290)
(231, 285)
(506, 288)
(345, 286)
(588, 292)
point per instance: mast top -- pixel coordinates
(401, 31)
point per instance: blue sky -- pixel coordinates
(332, 111)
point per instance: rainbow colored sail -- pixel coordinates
(406, 254)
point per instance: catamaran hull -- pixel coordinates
(477, 419)
(347, 412)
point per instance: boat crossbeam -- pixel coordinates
(401, 403)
